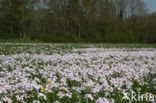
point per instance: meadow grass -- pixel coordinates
(69, 73)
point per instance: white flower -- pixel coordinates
(7, 99)
(36, 101)
(61, 94)
(89, 96)
(105, 100)
(68, 95)
(19, 98)
(63, 66)
(56, 102)
(42, 95)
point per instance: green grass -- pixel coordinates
(67, 48)
(81, 44)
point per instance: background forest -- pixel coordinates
(77, 21)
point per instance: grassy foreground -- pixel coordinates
(76, 73)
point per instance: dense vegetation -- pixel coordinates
(77, 20)
(77, 73)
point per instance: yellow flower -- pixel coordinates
(49, 82)
(44, 89)
(110, 65)
(1, 85)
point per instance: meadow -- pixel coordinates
(76, 73)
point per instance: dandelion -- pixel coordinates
(44, 90)
(110, 65)
(49, 82)
(86, 67)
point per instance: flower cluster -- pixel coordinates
(92, 74)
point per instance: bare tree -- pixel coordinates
(127, 8)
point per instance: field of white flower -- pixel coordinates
(66, 73)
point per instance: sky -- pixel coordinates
(151, 5)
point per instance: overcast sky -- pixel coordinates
(151, 5)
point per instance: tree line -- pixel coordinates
(77, 20)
